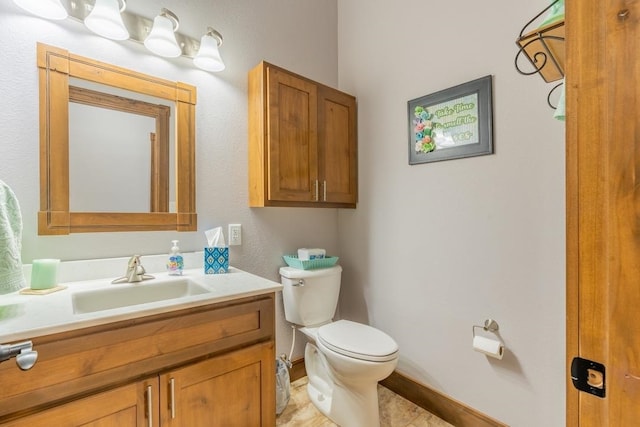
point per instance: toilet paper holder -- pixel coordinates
(490, 325)
(492, 347)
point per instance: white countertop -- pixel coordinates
(23, 317)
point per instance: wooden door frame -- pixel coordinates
(576, 17)
(601, 177)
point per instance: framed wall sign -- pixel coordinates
(452, 123)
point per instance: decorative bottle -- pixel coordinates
(175, 263)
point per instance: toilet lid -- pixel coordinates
(357, 340)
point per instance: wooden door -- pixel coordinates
(603, 206)
(234, 390)
(134, 405)
(293, 137)
(338, 146)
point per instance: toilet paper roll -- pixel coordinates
(490, 347)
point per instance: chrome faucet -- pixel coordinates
(135, 272)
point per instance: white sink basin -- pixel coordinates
(133, 294)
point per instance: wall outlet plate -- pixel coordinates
(235, 234)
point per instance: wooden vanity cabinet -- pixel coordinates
(122, 406)
(207, 366)
(225, 391)
(302, 141)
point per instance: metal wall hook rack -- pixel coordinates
(551, 92)
(544, 49)
(490, 325)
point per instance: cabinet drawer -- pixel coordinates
(77, 362)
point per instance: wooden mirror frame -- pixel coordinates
(56, 66)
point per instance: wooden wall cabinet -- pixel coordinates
(302, 141)
(211, 366)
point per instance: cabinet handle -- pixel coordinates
(172, 382)
(150, 405)
(317, 199)
(324, 191)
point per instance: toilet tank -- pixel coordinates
(310, 297)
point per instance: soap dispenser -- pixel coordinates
(175, 263)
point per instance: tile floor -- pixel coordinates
(395, 411)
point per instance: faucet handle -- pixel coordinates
(134, 262)
(135, 272)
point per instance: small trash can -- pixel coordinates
(283, 383)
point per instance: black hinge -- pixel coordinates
(588, 376)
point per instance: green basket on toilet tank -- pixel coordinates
(312, 264)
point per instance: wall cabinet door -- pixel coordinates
(302, 141)
(293, 133)
(236, 389)
(134, 405)
(338, 150)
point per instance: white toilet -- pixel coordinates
(344, 359)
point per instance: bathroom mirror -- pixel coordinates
(170, 182)
(142, 155)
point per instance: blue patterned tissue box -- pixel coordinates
(216, 260)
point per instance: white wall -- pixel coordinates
(252, 31)
(435, 248)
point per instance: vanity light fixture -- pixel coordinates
(105, 19)
(208, 57)
(162, 40)
(109, 19)
(49, 9)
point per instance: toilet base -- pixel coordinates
(346, 409)
(353, 407)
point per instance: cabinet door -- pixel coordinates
(235, 389)
(292, 128)
(338, 163)
(134, 405)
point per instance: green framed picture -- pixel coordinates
(453, 123)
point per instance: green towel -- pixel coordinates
(560, 109)
(11, 277)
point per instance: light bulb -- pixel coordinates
(105, 20)
(162, 40)
(208, 57)
(49, 9)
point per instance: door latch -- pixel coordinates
(24, 353)
(588, 376)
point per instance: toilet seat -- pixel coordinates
(358, 341)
